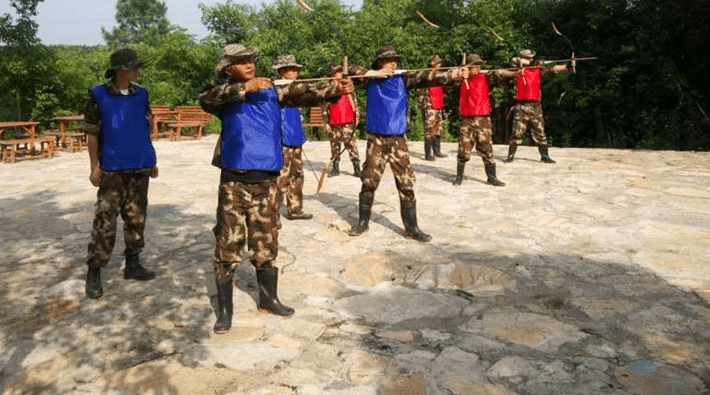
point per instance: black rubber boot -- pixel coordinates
(268, 277)
(334, 169)
(93, 283)
(436, 147)
(356, 168)
(134, 270)
(409, 218)
(427, 149)
(511, 153)
(225, 305)
(491, 173)
(544, 154)
(460, 166)
(365, 210)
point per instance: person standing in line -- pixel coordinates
(387, 108)
(249, 154)
(122, 159)
(475, 109)
(290, 181)
(341, 120)
(431, 104)
(528, 108)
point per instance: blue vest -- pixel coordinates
(125, 141)
(291, 126)
(251, 133)
(387, 104)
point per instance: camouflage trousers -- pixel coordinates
(343, 134)
(433, 123)
(246, 215)
(127, 194)
(382, 150)
(476, 130)
(529, 114)
(290, 181)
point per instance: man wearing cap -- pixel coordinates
(528, 109)
(341, 120)
(290, 181)
(431, 104)
(475, 109)
(387, 108)
(122, 158)
(249, 153)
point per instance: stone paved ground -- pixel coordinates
(590, 276)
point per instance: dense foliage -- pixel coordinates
(648, 89)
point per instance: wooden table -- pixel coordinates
(27, 140)
(74, 142)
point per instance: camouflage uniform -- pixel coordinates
(528, 113)
(122, 176)
(433, 118)
(476, 130)
(393, 149)
(247, 212)
(291, 179)
(344, 133)
(124, 192)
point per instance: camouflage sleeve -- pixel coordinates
(214, 97)
(148, 114)
(546, 71)
(358, 70)
(325, 109)
(356, 105)
(92, 119)
(305, 94)
(427, 78)
(423, 98)
(493, 77)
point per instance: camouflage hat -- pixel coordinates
(123, 59)
(472, 59)
(233, 53)
(434, 59)
(385, 52)
(287, 60)
(335, 67)
(527, 53)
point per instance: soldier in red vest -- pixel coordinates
(475, 109)
(431, 104)
(528, 109)
(342, 118)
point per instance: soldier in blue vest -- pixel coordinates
(122, 159)
(249, 152)
(387, 108)
(290, 182)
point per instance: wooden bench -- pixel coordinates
(188, 117)
(160, 115)
(10, 148)
(315, 121)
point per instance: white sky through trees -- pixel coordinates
(79, 22)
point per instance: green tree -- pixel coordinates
(23, 30)
(139, 22)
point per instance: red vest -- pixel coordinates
(436, 95)
(342, 112)
(474, 99)
(528, 85)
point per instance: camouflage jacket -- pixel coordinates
(92, 118)
(215, 97)
(414, 79)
